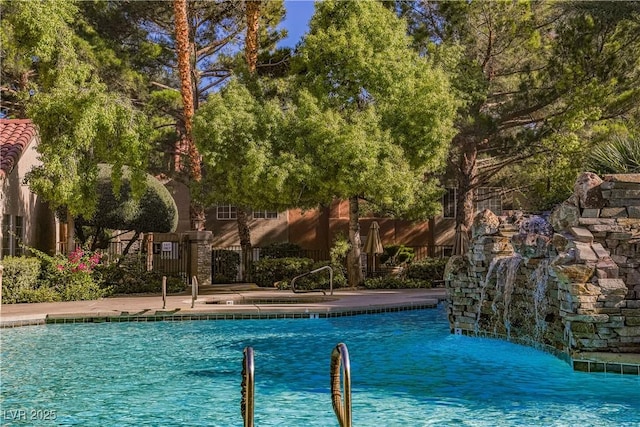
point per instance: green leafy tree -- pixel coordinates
(154, 211)
(533, 77)
(52, 79)
(372, 118)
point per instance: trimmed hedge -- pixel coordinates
(131, 277)
(268, 271)
(395, 282)
(281, 250)
(429, 269)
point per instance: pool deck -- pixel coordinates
(222, 302)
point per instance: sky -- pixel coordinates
(296, 21)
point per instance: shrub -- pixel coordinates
(268, 271)
(281, 250)
(131, 277)
(72, 277)
(428, 269)
(226, 265)
(80, 286)
(40, 294)
(395, 282)
(397, 255)
(320, 280)
(20, 276)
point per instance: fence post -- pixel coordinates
(200, 255)
(194, 290)
(164, 292)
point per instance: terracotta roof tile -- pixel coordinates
(15, 136)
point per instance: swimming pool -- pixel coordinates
(407, 370)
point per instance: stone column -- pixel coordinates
(200, 256)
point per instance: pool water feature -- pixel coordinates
(406, 368)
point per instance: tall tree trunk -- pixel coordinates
(186, 90)
(251, 56)
(245, 242)
(467, 181)
(251, 41)
(354, 261)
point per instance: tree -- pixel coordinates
(186, 90)
(373, 117)
(154, 211)
(532, 77)
(81, 123)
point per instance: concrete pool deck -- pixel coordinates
(222, 302)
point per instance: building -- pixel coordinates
(25, 218)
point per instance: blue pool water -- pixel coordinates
(407, 370)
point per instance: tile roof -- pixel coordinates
(15, 136)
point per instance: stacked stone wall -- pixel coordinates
(571, 284)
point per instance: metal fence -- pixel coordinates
(224, 269)
(170, 258)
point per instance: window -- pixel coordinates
(489, 198)
(12, 235)
(265, 215)
(227, 212)
(449, 200)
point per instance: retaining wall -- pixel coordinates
(569, 283)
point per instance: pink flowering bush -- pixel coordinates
(73, 276)
(80, 261)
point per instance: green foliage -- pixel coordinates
(394, 255)
(373, 114)
(427, 270)
(619, 155)
(534, 78)
(320, 280)
(72, 278)
(248, 158)
(19, 278)
(281, 250)
(227, 264)
(154, 211)
(131, 277)
(339, 249)
(267, 272)
(394, 282)
(79, 129)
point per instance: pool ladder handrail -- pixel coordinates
(326, 267)
(248, 387)
(341, 407)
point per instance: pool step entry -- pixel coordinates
(340, 372)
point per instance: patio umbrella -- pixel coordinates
(374, 244)
(461, 240)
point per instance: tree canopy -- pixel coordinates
(362, 116)
(153, 211)
(533, 77)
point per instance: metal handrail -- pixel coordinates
(342, 408)
(248, 387)
(293, 281)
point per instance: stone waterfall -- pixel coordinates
(569, 284)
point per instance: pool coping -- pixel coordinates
(223, 305)
(582, 362)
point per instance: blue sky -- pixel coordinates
(296, 21)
